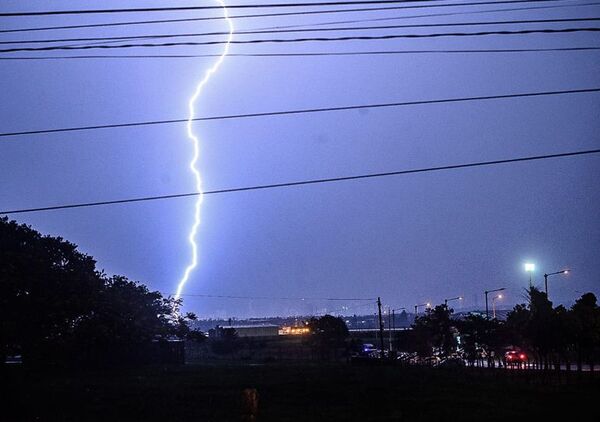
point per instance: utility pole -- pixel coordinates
(487, 311)
(390, 328)
(546, 279)
(380, 325)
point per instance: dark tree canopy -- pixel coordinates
(56, 306)
(227, 341)
(328, 334)
(328, 328)
(548, 334)
(436, 330)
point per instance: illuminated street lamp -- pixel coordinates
(546, 278)
(494, 305)
(487, 312)
(450, 299)
(530, 268)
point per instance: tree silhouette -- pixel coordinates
(586, 328)
(549, 335)
(532, 324)
(435, 330)
(226, 342)
(328, 333)
(56, 307)
(552, 334)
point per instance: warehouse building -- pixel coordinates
(267, 330)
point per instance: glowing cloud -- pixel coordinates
(196, 142)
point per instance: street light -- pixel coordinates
(452, 298)
(494, 305)
(530, 268)
(428, 305)
(487, 312)
(546, 278)
(393, 323)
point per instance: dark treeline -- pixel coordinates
(549, 335)
(56, 307)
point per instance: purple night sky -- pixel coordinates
(409, 239)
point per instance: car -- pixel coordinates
(13, 359)
(405, 356)
(430, 361)
(515, 356)
(451, 362)
(480, 353)
(368, 349)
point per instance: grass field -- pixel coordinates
(300, 392)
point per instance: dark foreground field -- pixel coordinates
(332, 392)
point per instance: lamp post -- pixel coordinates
(450, 299)
(418, 306)
(380, 327)
(487, 312)
(494, 305)
(530, 268)
(390, 329)
(546, 278)
(393, 323)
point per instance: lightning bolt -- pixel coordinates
(196, 143)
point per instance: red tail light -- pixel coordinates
(522, 356)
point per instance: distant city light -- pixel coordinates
(295, 331)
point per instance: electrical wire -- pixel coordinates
(301, 30)
(306, 182)
(319, 54)
(346, 308)
(263, 15)
(311, 39)
(232, 6)
(276, 298)
(430, 15)
(304, 111)
(268, 15)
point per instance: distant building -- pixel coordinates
(267, 330)
(294, 330)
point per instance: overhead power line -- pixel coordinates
(310, 39)
(305, 182)
(351, 299)
(305, 111)
(302, 30)
(310, 12)
(190, 8)
(430, 15)
(346, 308)
(318, 54)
